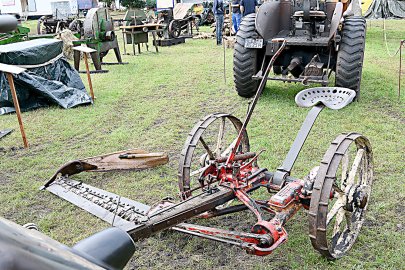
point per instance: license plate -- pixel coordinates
(253, 43)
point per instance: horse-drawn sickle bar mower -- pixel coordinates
(217, 178)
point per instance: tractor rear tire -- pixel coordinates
(349, 62)
(245, 60)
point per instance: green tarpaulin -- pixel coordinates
(49, 78)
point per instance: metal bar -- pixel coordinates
(171, 216)
(400, 69)
(223, 43)
(124, 40)
(225, 211)
(208, 237)
(255, 100)
(154, 41)
(299, 141)
(244, 156)
(252, 238)
(17, 107)
(133, 41)
(292, 80)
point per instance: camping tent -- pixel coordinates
(386, 9)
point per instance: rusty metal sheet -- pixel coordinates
(133, 159)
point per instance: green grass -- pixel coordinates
(153, 103)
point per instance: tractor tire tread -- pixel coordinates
(350, 56)
(245, 59)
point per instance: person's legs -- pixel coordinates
(235, 21)
(221, 25)
(217, 29)
(238, 20)
(219, 22)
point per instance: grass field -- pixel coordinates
(154, 101)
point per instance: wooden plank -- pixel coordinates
(84, 49)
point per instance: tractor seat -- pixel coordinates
(334, 98)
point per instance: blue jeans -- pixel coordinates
(219, 20)
(236, 18)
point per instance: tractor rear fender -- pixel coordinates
(273, 17)
(337, 15)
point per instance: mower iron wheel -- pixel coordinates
(340, 195)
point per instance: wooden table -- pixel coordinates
(85, 51)
(138, 29)
(9, 70)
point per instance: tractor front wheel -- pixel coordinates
(349, 64)
(246, 62)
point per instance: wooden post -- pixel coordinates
(400, 69)
(85, 51)
(9, 70)
(86, 62)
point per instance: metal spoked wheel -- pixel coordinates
(340, 195)
(211, 138)
(174, 28)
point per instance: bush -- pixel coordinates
(133, 3)
(151, 3)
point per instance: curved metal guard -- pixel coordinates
(334, 98)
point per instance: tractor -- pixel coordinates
(320, 36)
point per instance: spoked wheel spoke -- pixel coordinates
(335, 209)
(355, 167)
(345, 166)
(205, 143)
(206, 147)
(338, 221)
(229, 148)
(348, 217)
(335, 221)
(199, 171)
(221, 131)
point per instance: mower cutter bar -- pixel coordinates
(112, 208)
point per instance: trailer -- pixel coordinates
(26, 8)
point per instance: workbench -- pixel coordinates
(134, 30)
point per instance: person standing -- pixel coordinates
(236, 15)
(248, 7)
(219, 19)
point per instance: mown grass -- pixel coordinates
(154, 101)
